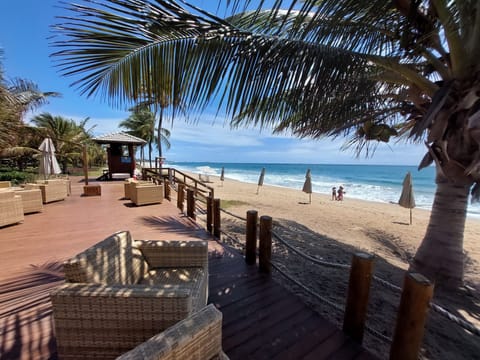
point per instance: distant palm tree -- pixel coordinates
(68, 136)
(16, 98)
(372, 70)
(141, 123)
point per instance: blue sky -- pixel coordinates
(24, 33)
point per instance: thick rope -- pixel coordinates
(308, 257)
(387, 284)
(464, 324)
(232, 214)
(236, 241)
(310, 291)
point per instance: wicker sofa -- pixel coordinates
(121, 292)
(145, 194)
(129, 184)
(11, 208)
(52, 190)
(31, 199)
(199, 336)
(5, 184)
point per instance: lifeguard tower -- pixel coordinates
(120, 154)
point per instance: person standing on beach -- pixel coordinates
(340, 193)
(334, 193)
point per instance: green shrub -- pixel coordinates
(17, 177)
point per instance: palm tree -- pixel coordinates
(141, 123)
(17, 97)
(68, 136)
(370, 70)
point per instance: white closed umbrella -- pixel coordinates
(48, 161)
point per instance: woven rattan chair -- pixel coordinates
(52, 190)
(199, 336)
(121, 292)
(31, 199)
(129, 184)
(145, 194)
(11, 208)
(5, 184)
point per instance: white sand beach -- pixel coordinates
(333, 231)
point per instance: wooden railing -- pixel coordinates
(174, 176)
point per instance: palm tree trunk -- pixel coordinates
(159, 133)
(150, 153)
(440, 255)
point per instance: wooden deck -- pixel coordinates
(261, 319)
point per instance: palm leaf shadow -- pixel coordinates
(172, 224)
(26, 312)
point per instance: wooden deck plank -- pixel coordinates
(262, 320)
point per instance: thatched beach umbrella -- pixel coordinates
(407, 200)
(260, 179)
(222, 175)
(48, 161)
(307, 186)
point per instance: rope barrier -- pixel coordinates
(328, 302)
(236, 241)
(387, 284)
(308, 257)
(464, 324)
(233, 215)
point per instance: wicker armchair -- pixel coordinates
(121, 292)
(129, 184)
(199, 336)
(11, 208)
(5, 184)
(31, 199)
(52, 190)
(144, 194)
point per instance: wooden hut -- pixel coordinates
(120, 154)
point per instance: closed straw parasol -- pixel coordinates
(407, 200)
(48, 161)
(260, 179)
(222, 175)
(307, 186)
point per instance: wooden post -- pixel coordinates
(180, 196)
(412, 315)
(216, 218)
(166, 189)
(358, 294)
(85, 163)
(251, 237)
(209, 214)
(191, 203)
(265, 246)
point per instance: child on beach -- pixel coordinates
(340, 193)
(334, 193)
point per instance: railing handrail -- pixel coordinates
(181, 177)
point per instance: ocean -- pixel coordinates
(381, 183)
